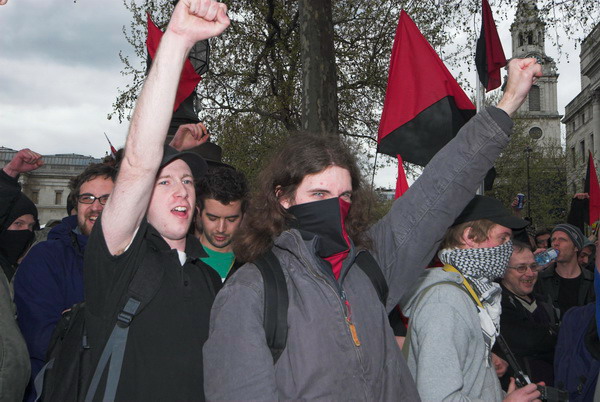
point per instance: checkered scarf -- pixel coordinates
(481, 266)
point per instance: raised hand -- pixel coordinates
(24, 161)
(196, 20)
(522, 74)
(189, 136)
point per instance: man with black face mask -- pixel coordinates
(18, 218)
(311, 211)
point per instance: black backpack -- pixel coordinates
(276, 295)
(69, 374)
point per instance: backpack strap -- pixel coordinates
(275, 303)
(142, 288)
(366, 262)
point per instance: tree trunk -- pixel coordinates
(319, 78)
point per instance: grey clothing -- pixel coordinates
(321, 359)
(447, 355)
(14, 358)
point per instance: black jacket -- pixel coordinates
(548, 286)
(531, 342)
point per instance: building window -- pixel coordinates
(521, 41)
(35, 196)
(58, 197)
(573, 157)
(582, 148)
(534, 98)
(535, 133)
(530, 38)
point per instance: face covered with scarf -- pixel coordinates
(320, 206)
(17, 234)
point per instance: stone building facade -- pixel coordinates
(582, 114)
(539, 112)
(48, 186)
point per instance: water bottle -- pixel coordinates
(546, 257)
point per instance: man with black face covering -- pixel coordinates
(18, 218)
(310, 210)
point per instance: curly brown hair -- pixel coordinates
(302, 155)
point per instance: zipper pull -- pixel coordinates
(350, 323)
(353, 332)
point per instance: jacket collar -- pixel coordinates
(193, 248)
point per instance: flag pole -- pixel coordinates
(479, 104)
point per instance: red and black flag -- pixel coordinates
(424, 106)
(489, 56)
(189, 78)
(586, 210)
(593, 189)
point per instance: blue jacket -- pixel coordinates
(49, 281)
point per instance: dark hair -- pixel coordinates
(223, 184)
(519, 246)
(90, 173)
(302, 155)
(542, 232)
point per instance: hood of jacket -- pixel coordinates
(429, 277)
(65, 232)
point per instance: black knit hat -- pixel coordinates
(482, 207)
(22, 206)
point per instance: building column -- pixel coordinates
(596, 123)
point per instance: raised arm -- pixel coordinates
(192, 21)
(24, 161)
(407, 238)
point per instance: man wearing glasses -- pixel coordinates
(50, 278)
(528, 324)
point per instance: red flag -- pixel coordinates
(489, 56)
(424, 106)
(113, 151)
(189, 79)
(593, 189)
(401, 182)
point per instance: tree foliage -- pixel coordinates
(545, 189)
(251, 97)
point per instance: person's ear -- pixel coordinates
(467, 239)
(284, 201)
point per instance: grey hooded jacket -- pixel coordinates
(447, 355)
(322, 361)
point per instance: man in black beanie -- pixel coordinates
(18, 217)
(564, 283)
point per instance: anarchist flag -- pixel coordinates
(424, 106)
(489, 56)
(593, 189)
(586, 210)
(189, 78)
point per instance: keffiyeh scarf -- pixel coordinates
(481, 266)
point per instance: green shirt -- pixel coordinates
(220, 262)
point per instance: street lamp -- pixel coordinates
(528, 151)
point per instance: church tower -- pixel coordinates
(540, 110)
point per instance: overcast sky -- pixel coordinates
(60, 70)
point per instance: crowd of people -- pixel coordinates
(167, 249)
